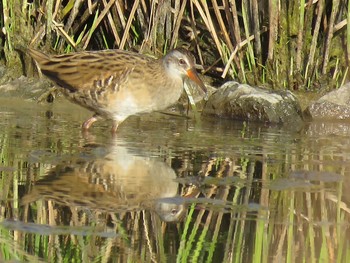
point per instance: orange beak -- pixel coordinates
(192, 74)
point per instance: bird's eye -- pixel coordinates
(182, 61)
(173, 211)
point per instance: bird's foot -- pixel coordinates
(49, 96)
(115, 127)
(87, 124)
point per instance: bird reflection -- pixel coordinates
(112, 179)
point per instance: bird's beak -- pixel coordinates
(192, 74)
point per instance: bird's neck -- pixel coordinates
(171, 72)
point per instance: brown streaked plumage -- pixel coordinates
(115, 83)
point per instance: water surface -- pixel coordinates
(169, 189)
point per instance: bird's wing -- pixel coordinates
(90, 69)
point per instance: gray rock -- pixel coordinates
(243, 102)
(2, 72)
(335, 105)
(26, 88)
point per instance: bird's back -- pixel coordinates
(89, 69)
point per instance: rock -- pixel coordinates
(335, 105)
(27, 88)
(243, 102)
(2, 72)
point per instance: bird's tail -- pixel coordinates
(38, 56)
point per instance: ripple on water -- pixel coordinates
(223, 181)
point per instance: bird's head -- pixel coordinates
(181, 63)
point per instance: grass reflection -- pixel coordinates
(265, 196)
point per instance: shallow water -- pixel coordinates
(170, 189)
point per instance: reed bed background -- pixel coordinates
(296, 45)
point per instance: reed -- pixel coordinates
(258, 42)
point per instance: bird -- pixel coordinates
(115, 84)
(112, 178)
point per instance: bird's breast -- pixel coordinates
(150, 95)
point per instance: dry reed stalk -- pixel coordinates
(329, 35)
(300, 40)
(236, 27)
(246, 25)
(162, 26)
(49, 13)
(273, 26)
(143, 18)
(195, 32)
(147, 36)
(7, 25)
(87, 37)
(120, 13)
(59, 29)
(128, 24)
(205, 14)
(236, 33)
(111, 23)
(222, 26)
(84, 18)
(340, 25)
(178, 19)
(233, 55)
(229, 19)
(74, 11)
(310, 63)
(256, 29)
(57, 9)
(73, 15)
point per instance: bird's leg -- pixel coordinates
(115, 126)
(87, 124)
(49, 95)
